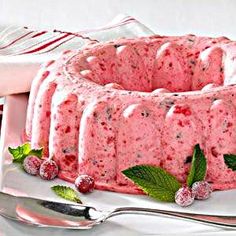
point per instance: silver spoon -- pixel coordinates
(74, 216)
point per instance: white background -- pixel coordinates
(171, 17)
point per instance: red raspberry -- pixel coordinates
(184, 196)
(48, 170)
(202, 190)
(84, 183)
(31, 165)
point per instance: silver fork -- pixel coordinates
(44, 213)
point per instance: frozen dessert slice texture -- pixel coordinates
(221, 140)
(50, 74)
(102, 64)
(64, 131)
(230, 64)
(130, 70)
(90, 75)
(129, 96)
(146, 52)
(42, 115)
(209, 87)
(97, 149)
(209, 68)
(41, 76)
(114, 86)
(139, 137)
(96, 66)
(170, 69)
(182, 131)
(107, 63)
(160, 91)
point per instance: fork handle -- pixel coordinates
(215, 220)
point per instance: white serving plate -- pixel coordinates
(14, 180)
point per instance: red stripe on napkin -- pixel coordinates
(17, 39)
(59, 44)
(39, 33)
(46, 45)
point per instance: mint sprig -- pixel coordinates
(154, 181)
(67, 193)
(21, 152)
(160, 184)
(198, 166)
(230, 161)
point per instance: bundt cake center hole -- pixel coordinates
(167, 65)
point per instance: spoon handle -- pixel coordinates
(215, 220)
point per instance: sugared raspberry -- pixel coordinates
(184, 196)
(84, 183)
(48, 170)
(202, 190)
(31, 165)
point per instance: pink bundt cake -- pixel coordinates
(110, 106)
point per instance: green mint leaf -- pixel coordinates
(21, 152)
(230, 161)
(198, 166)
(154, 181)
(66, 192)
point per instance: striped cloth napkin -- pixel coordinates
(23, 50)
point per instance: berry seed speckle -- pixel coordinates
(32, 164)
(84, 183)
(48, 170)
(202, 190)
(184, 196)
